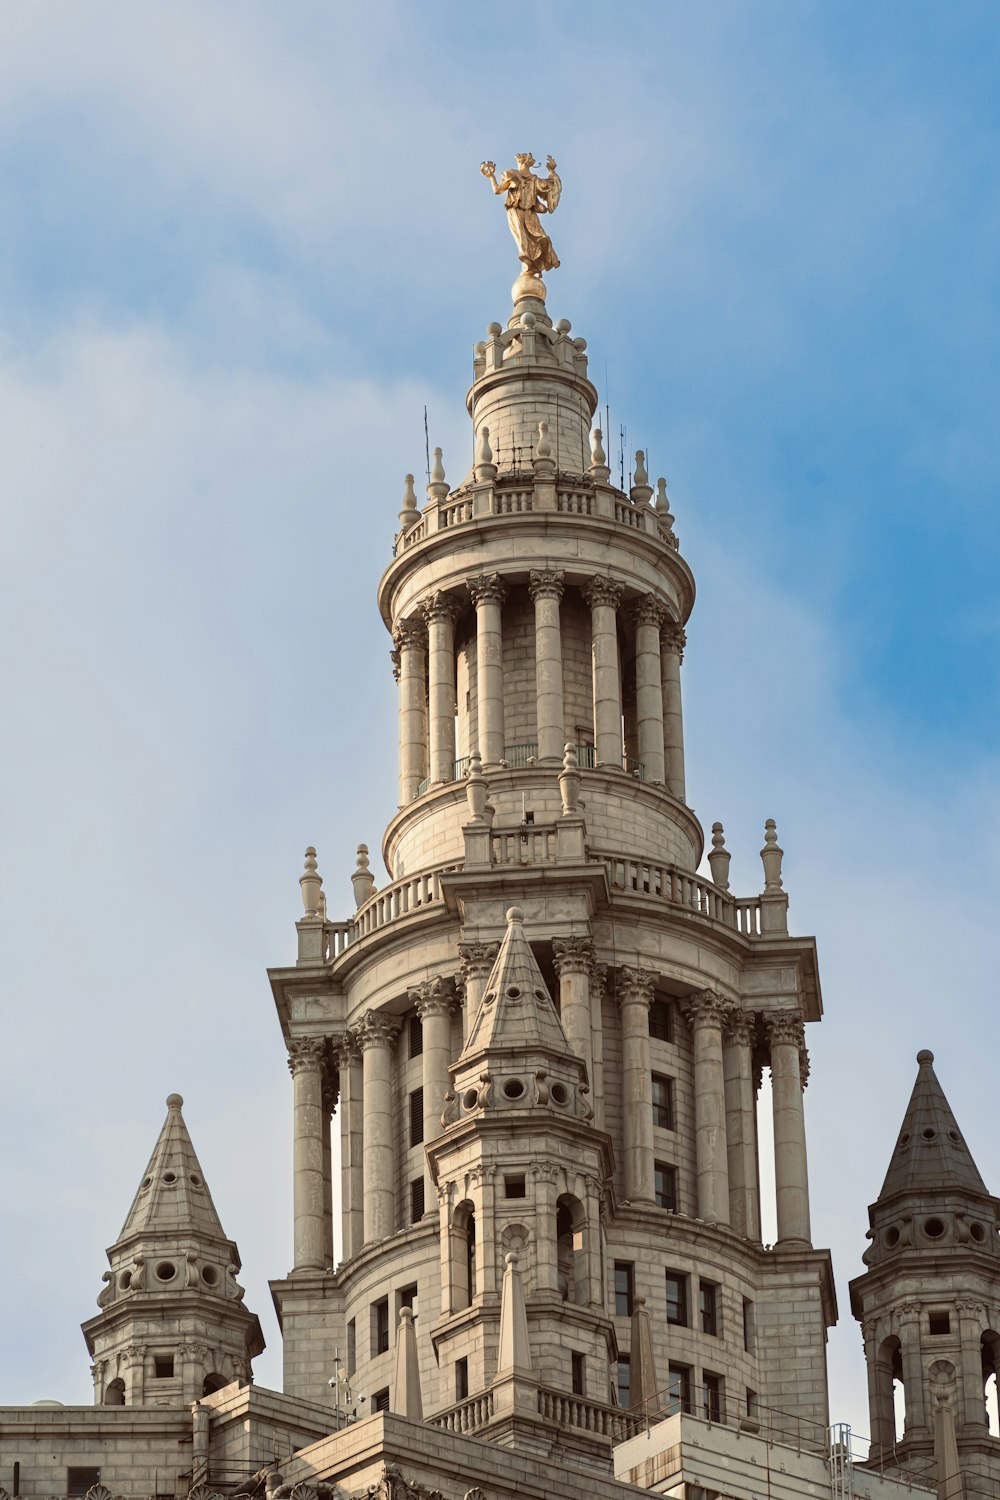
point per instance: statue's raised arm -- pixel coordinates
(528, 196)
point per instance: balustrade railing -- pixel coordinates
(530, 844)
(511, 502)
(575, 502)
(684, 889)
(467, 1416)
(454, 514)
(460, 510)
(396, 900)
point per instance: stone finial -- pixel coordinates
(476, 788)
(641, 488)
(598, 458)
(569, 781)
(543, 448)
(362, 879)
(406, 1398)
(409, 515)
(771, 856)
(310, 884)
(485, 468)
(719, 858)
(514, 1353)
(644, 1386)
(438, 487)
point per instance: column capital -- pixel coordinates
(785, 1028)
(546, 583)
(433, 997)
(441, 608)
(602, 591)
(477, 959)
(636, 986)
(488, 588)
(305, 1053)
(331, 1090)
(706, 1008)
(573, 955)
(397, 663)
(740, 1027)
(347, 1050)
(376, 1030)
(907, 1312)
(409, 635)
(966, 1308)
(673, 638)
(648, 611)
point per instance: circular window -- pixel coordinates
(892, 1237)
(170, 1176)
(195, 1180)
(209, 1275)
(953, 1135)
(560, 1093)
(978, 1233)
(166, 1271)
(489, 997)
(125, 1280)
(146, 1181)
(513, 1088)
(929, 1133)
(541, 995)
(933, 1228)
(470, 1098)
(514, 992)
(904, 1138)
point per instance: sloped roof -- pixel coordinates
(516, 1010)
(930, 1153)
(173, 1196)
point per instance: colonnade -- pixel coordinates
(425, 663)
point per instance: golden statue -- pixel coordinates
(528, 196)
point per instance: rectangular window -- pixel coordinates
(163, 1366)
(380, 1326)
(678, 1389)
(624, 1382)
(751, 1403)
(352, 1347)
(711, 1392)
(415, 1032)
(663, 1102)
(665, 1185)
(416, 1199)
(577, 1376)
(80, 1480)
(380, 1400)
(623, 1288)
(708, 1307)
(677, 1298)
(515, 1187)
(661, 1021)
(407, 1297)
(748, 1325)
(461, 1379)
(416, 1117)
(939, 1322)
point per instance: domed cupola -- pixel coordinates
(172, 1325)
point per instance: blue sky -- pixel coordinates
(243, 247)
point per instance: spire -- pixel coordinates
(930, 1153)
(406, 1399)
(516, 1009)
(514, 1353)
(644, 1386)
(173, 1196)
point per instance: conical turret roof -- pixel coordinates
(173, 1196)
(516, 1010)
(930, 1154)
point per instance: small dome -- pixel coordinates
(174, 1101)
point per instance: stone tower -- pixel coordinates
(929, 1302)
(600, 1124)
(172, 1325)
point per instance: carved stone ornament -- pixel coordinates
(602, 591)
(488, 588)
(203, 1492)
(305, 1052)
(394, 657)
(672, 638)
(477, 959)
(475, 1494)
(546, 583)
(441, 609)
(347, 1050)
(785, 1028)
(573, 955)
(706, 1009)
(636, 986)
(907, 1312)
(99, 1492)
(376, 1030)
(740, 1027)
(409, 635)
(648, 611)
(433, 997)
(393, 1485)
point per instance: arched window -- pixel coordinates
(571, 1266)
(463, 1256)
(991, 1365)
(114, 1394)
(213, 1382)
(889, 1416)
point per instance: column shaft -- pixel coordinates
(477, 961)
(410, 639)
(671, 655)
(972, 1396)
(706, 1013)
(351, 1147)
(649, 689)
(791, 1175)
(741, 1132)
(913, 1375)
(433, 1001)
(329, 1106)
(546, 589)
(635, 994)
(305, 1060)
(573, 960)
(604, 598)
(488, 593)
(440, 612)
(376, 1036)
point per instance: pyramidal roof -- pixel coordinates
(930, 1152)
(173, 1196)
(516, 1011)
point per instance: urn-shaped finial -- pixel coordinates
(476, 788)
(598, 458)
(486, 469)
(719, 858)
(771, 856)
(409, 515)
(438, 487)
(641, 488)
(569, 781)
(362, 878)
(311, 884)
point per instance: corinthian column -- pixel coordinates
(434, 1001)
(635, 995)
(741, 1138)
(477, 962)
(910, 1316)
(488, 592)
(546, 590)
(791, 1175)
(648, 615)
(376, 1035)
(706, 1013)
(440, 612)
(604, 597)
(672, 642)
(410, 639)
(305, 1061)
(351, 1146)
(573, 959)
